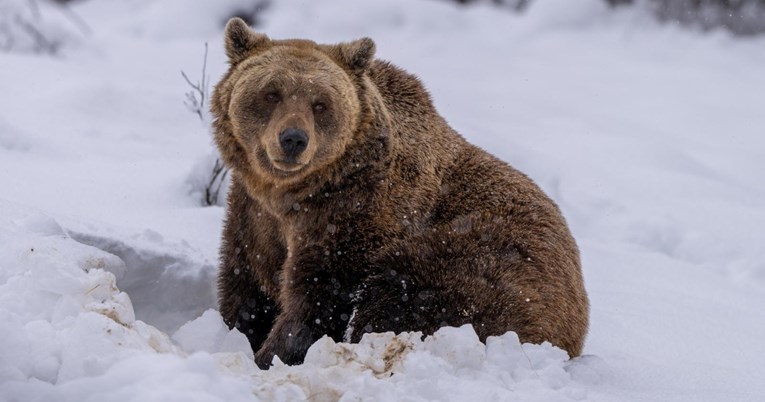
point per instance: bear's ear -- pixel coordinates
(241, 40)
(355, 55)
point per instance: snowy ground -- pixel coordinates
(651, 138)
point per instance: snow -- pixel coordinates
(649, 137)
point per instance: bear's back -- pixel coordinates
(404, 95)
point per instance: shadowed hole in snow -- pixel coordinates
(166, 285)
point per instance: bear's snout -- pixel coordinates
(293, 141)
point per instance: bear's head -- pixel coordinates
(287, 108)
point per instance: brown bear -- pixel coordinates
(355, 208)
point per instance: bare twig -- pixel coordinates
(195, 99)
(212, 191)
(196, 102)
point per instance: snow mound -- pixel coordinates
(61, 312)
(209, 333)
(69, 331)
(451, 365)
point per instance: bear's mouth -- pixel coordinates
(287, 166)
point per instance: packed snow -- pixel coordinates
(649, 136)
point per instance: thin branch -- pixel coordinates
(195, 99)
(217, 179)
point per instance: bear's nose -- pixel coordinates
(293, 141)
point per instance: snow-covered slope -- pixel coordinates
(651, 139)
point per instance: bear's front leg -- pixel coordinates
(315, 300)
(289, 339)
(252, 252)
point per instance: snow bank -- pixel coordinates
(69, 334)
(451, 365)
(63, 316)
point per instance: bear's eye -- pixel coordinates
(273, 97)
(319, 107)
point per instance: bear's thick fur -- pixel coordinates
(355, 208)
